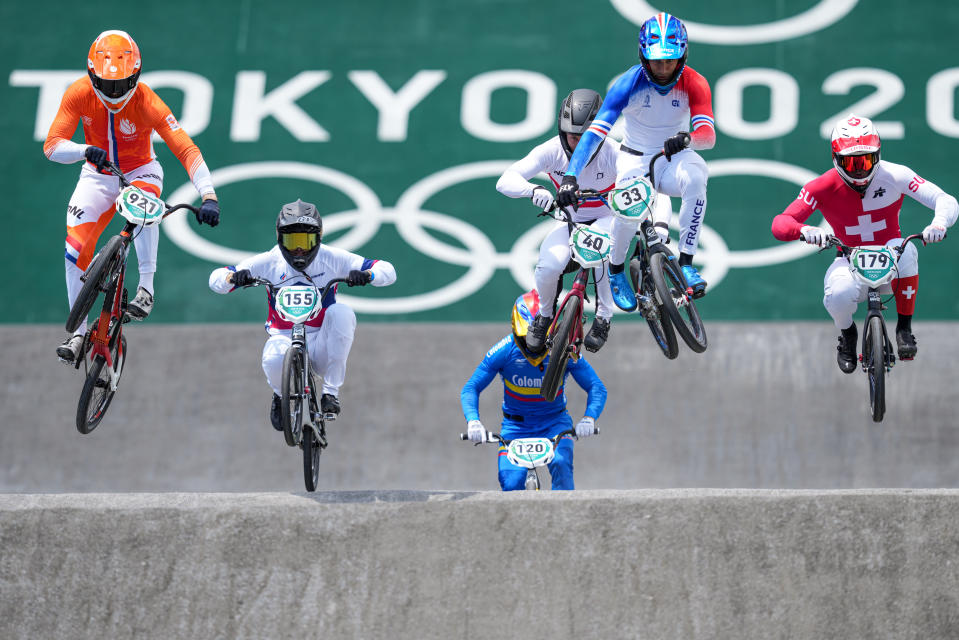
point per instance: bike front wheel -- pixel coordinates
(874, 359)
(98, 392)
(291, 405)
(658, 321)
(672, 295)
(312, 448)
(563, 340)
(98, 274)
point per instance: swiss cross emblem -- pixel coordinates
(854, 121)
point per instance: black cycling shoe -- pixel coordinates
(906, 342)
(275, 419)
(597, 335)
(536, 335)
(329, 405)
(846, 356)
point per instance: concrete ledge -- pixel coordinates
(407, 564)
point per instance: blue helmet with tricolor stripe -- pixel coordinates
(663, 37)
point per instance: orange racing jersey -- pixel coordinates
(126, 136)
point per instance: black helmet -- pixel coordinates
(578, 110)
(299, 231)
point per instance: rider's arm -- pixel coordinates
(221, 279)
(613, 105)
(58, 146)
(585, 376)
(382, 272)
(180, 144)
(703, 134)
(788, 224)
(945, 206)
(515, 181)
(491, 365)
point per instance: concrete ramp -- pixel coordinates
(692, 564)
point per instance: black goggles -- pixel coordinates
(114, 88)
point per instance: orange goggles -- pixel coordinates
(858, 165)
(303, 241)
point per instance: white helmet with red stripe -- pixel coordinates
(855, 151)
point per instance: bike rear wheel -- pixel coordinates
(291, 405)
(97, 276)
(311, 457)
(563, 339)
(671, 292)
(874, 357)
(96, 395)
(660, 325)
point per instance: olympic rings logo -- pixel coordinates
(478, 252)
(819, 16)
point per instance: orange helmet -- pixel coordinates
(114, 68)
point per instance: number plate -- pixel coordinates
(634, 200)
(530, 453)
(873, 266)
(140, 207)
(589, 245)
(297, 303)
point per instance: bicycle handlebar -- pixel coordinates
(492, 437)
(263, 281)
(846, 250)
(115, 170)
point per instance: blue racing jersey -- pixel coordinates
(521, 385)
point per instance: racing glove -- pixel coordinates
(566, 196)
(359, 278)
(542, 198)
(209, 213)
(814, 235)
(475, 431)
(96, 156)
(585, 427)
(242, 278)
(675, 144)
(933, 233)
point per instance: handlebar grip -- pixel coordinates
(463, 436)
(595, 431)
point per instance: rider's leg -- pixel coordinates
(146, 240)
(686, 176)
(553, 258)
(842, 294)
(273, 352)
(561, 468)
(511, 477)
(330, 346)
(905, 288)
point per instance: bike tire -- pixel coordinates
(291, 405)
(670, 287)
(559, 352)
(96, 395)
(874, 356)
(311, 459)
(97, 275)
(661, 327)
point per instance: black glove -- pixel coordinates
(242, 278)
(566, 196)
(359, 278)
(675, 144)
(96, 156)
(209, 213)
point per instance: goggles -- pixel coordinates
(858, 166)
(301, 240)
(114, 88)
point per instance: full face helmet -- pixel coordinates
(575, 115)
(524, 310)
(299, 231)
(113, 65)
(663, 37)
(855, 151)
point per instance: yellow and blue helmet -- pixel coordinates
(524, 310)
(663, 37)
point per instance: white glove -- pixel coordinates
(542, 198)
(585, 427)
(814, 235)
(933, 233)
(475, 431)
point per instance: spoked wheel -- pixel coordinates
(312, 448)
(563, 339)
(655, 317)
(292, 400)
(96, 278)
(532, 480)
(874, 359)
(671, 291)
(97, 390)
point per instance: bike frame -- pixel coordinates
(578, 290)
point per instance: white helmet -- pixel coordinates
(855, 151)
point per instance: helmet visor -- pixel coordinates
(302, 241)
(858, 166)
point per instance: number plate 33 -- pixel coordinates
(140, 207)
(297, 303)
(530, 453)
(634, 200)
(873, 266)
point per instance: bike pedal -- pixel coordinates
(329, 417)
